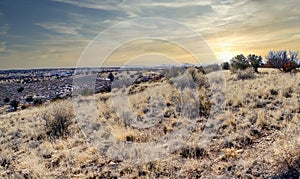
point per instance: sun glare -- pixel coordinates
(226, 56)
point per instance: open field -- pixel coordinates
(218, 125)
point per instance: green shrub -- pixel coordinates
(240, 62)
(225, 65)
(255, 61)
(37, 101)
(20, 90)
(29, 99)
(14, 105)
(111, 77)
(6, 100)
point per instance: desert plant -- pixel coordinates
(58, 118)
(20, 90)
(255, 61)
(289, 66)
(6, 100)
(239, 62)
(111, 77)
(37, 102)
(29, 99)
(282, 61)
(198, 76)
(14, 105)
(245, 74)
(225, 65)
(193, 152)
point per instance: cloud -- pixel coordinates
(133, 4)
(61, 28)
(54, 51)
(242, 25)
(176, 4)
(4, 29)
(3, 47)
(245, 24)
(100, 5)
(146, 8)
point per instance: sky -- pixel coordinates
(55, 33)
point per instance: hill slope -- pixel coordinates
(256, 135)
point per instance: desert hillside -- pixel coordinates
(218, 125)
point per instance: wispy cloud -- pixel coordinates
(58, 35)
(176, 4)
(100, 5)
(61, 28)
(2, 47)
(4, 29)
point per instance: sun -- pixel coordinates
(226, 56)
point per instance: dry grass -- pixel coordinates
(58, 117)
(256, 137)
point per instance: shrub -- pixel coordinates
(245, 74)
(198, 76)
(239, 62)
(225, 65)
(282, 61)
(6, 100)
(289, 66)
(24, 107)
(29, 99)
(20, 90)
(58, 118)
(193, 152)
(37, 102)
(14, 105)
(111, 77)
(255, 61)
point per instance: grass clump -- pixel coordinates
(245, 74)
(58, 117)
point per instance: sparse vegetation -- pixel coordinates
(257, 136)
(14, 105)
(37, 101)
(255, 61)
(20, 90)
(6, 100)
(282, 61)
(29, 99)
(111, 77)
(225, 65)
(239, 62)
(245, 74)
(58, 117)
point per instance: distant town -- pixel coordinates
(21, 89)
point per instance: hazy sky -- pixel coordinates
(53, 33)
